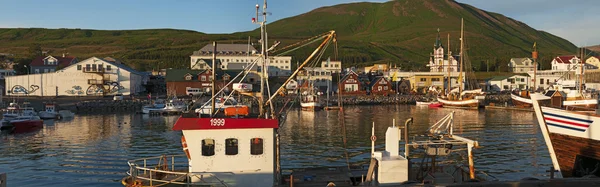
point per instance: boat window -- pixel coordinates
(256, 146)
(231, 146)
(208, 147)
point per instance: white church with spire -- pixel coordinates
(438, 60)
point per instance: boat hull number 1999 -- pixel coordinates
(217, 122)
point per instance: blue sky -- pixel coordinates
(575, 20)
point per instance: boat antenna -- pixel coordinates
(214, 60)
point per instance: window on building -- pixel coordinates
(45, 70)
(88, 67)
(188, 77)
(541, 81)
(337, 65)
(78, 67)
(326, 65)
(435, 79)
(379, 88)
(385, 88)
(208, 147)
(108, 67)
(203, 78)
(423, 79)
(287, 67)
(94, 67)
(210, 78)
(256, 146)
(51, 70)
(231, 146)
(37, 70)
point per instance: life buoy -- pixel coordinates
(185, 148)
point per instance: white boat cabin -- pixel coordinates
(240, 152)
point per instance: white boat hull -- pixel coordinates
(425, 103)
(311, 106)
(48, 115)
(470, 103)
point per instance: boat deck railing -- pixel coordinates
(168, 169)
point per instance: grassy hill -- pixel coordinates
(401, 32)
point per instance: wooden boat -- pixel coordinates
(458, 97)
(522, 100)
(572, 138)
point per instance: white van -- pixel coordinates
(193, 91)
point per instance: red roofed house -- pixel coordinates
(566, 63)
(50, 63)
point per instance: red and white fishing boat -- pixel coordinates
(572, 137)
(26, 123)
(221, 148)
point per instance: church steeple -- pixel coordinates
(438, 40)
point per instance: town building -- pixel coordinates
(593, 62)
(179, 81)
(546, 79)
(422, 81)
(317, 76)
(50, 63)
(566, 63)
(91, 77)
(332, 66)
(380, 86)
(350, 84)
(521, 65)
(507, 83)
(239, 56)
(441, 62)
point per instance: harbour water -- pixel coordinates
(92, 150)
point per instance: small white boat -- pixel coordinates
(66, 114)
(169, 107)
(49, 112)
(419, 103)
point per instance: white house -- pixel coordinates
(521, 65)
(501, 83)
(332, 66)
(566, 63)
(238, 56)
(91, 77)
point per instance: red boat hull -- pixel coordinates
(435, 105)
(27, 125)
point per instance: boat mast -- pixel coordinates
(534, 54)
(460, 75)
(212, 89)
(449, 66)
(581, 72)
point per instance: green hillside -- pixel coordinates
(400, 32)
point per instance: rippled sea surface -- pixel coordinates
(92, 150)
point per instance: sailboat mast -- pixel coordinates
(581, 73)
(263, 45)
(534, 54)
(462, 35)
(449, 65)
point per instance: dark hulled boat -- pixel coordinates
(572, 137)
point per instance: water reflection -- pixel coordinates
(94, 149)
